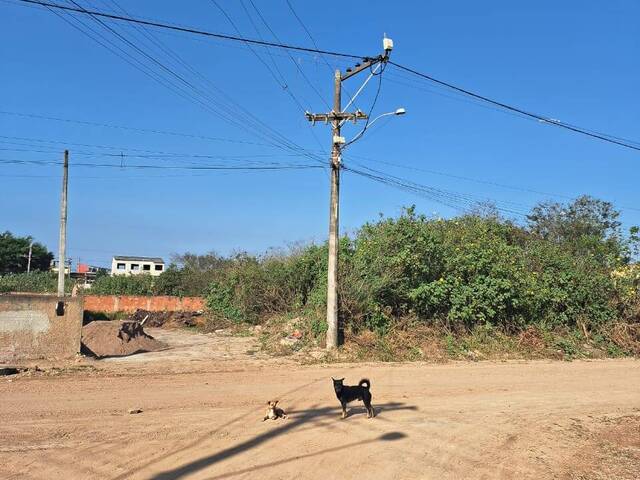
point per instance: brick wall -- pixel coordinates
(30, 328)
(131, 303)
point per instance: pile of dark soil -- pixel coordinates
(167, 319)
(115, 339)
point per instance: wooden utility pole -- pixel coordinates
(337, 117)
(62, 243)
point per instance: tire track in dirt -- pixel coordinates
(203, 420)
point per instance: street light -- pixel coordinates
(398, 112)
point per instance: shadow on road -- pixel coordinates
(296, 419)
(197, 441)
(386, 437)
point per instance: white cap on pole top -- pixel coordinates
(387, 43)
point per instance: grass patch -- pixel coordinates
(412, 340)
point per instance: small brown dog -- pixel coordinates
(273, 411)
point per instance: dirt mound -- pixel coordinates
(112, 338)
(167, 319)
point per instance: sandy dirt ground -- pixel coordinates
(203, 399)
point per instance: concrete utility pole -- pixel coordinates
(29, 258)
(337, 117)
(62, 243)
(334, 232)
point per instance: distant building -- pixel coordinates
(86, 274)
(90, 269)
(55, 266)
(137, 265)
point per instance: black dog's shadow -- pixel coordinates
(311, 414)
(357, 410)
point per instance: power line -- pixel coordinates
(230, 114)
(162, 167)
(542, 118)
(187, 30)
(419, 83)
(257, 30)
(471, 179)
(167, 50)
(36, 146)
(373, 105)
(293, 60)
(104, 42)
(300, 70)
(548, 120)
(308, 32)
(133, 129)
(457, 201)
(283, 85)
(462, 177)
(151, 153)
(165, 68)
(235, 160)
(101, 177)
(157, 132)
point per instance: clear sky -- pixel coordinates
(575, 61)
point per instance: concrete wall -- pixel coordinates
(30, 328)
(131, 303)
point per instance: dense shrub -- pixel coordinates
(169, 282)
(459, 273)
(123, 285)
(198, 271)
(250, 287)
(568, 269)
(35, 282)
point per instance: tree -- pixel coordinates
(14, 254)
(197, 271)
(586, 216)
(586, 226)
(200, 263)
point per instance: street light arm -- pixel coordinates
(399, 111)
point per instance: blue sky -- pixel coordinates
(574, 61)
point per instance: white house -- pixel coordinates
(136, 265)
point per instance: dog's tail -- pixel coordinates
(365, 383)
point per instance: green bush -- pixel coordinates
(250, 287)
(34, 282)
(123, 285)
(220, 302)
(170, 282)
(459, 273)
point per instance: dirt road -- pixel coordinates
(203, 419)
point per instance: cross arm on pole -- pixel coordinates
(366, 63)
(336, 116)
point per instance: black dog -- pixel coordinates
(348, 394)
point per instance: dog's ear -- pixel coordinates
(275, 402)
(340, 379)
